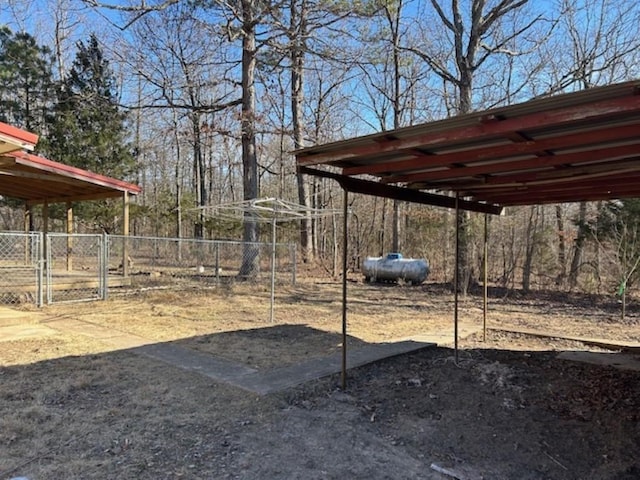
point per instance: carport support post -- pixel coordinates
(456, 280)
(345, 237)
(273, 268)
(485, 275)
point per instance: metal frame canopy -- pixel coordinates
(266, 210)
(572, 147)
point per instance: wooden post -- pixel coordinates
(69, 222)
(125, 234)
(45, 246)
(45, 217)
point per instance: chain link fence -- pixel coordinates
(58, 267)
(153, 261)
(21, 272)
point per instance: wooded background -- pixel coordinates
(202, 102)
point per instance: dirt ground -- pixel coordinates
(72, 407)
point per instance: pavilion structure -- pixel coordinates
(39, 181)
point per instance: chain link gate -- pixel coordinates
(76, 267)
(21, 268)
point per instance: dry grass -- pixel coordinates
(232, 321)
(73, 407)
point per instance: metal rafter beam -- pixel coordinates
(532, 147)
(544, 163)
(528, 197)
(366, 187)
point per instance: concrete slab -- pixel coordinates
(24, 331)
(237, 374)
(205, 364)
(282, 378)
(622, 361)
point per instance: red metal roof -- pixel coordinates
(573, 147)
(12, 139)
(37, 179)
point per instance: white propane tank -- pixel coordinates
(394, 267)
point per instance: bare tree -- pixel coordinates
(177, 71)
(596, 44)
(473, 40)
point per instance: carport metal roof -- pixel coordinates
(573, 147)
(37, 180)
(12, 139)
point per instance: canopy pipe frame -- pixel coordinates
(271, 210)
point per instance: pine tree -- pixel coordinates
(90, 128)
(26, 86)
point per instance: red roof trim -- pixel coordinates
(44, 164)
(26, 139)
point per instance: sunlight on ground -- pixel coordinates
(230, 321)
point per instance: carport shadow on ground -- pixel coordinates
(273, 358)
(109, 402)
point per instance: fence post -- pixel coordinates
(295, 264)
(104, 267)
(47, 266)
(39, 268)
(217, 266)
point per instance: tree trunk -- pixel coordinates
(396, 227)
(562, 248)
(465, 271)
(298, 48)
(394, 24)
(250, 260)
(198, 177)
(578, 249)
(383, 221)
(530, 248)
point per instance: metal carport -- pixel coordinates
(573, 147)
